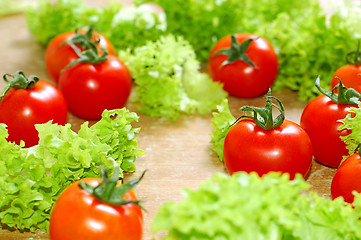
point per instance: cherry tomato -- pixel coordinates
(59, 54)
(89, 89)
(21, 109)
(246, 71)
(320, 120)
(350, 75)
(249, 148)
(78, 215)
(346, 178)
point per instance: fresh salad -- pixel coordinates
(187, 57)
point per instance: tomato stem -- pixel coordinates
(236, 52)
(19, 82)
(108, 191)
(356, 54)
(263, 117)
(89, 52)
(345, 95)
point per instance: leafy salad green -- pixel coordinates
(245, 206)
(124, 27)
(308, 40)
(221, 122)
(31, 179)
(168, 81)
(352, 123)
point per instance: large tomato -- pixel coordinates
(78, 215)
(283, 147)
(34, 102)
(347, 178)
(89, 89)
(320, 120)
(246, 64)
(60, 54)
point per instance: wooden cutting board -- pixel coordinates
(178, 153)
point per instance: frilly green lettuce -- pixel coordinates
(31, 179)
(124, 27)
(352, 122)
(168, 81)
(221, 122)
(246, 206)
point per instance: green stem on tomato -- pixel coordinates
(108, 191)
(263, 117)
(345, 95)
(89, 52)
(20, 81)
(236, 52)
(356, 54)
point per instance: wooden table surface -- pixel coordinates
(178, 153)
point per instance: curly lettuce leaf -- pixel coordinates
(307, 40)
(352, 124)
(245, 206)
(221, 122)
(31, 179)
(124, 27)
(49, 19)
(168, 81)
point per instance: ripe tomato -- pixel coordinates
(78, 215)
(89, 89)
(260, 143)
(245, 70)
(350, 74)
(249, 148)
(346, 178)
(59, 55)
(320, 120)
(37, 103)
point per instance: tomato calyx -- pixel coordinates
(20, 81)
(108, 191)
(90, 53)
(236, 52)
(263, 117)
(356, 56)
(345, 95)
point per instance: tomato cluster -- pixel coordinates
(90, 79)
(88, 73)
(247, 66)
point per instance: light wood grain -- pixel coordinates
(178, 153)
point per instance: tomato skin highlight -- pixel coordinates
(320, 120)
(58, 56)
(350, 76)
(77, 215)
(347, 179)
(239, 78)
(22, 108)
(90, 89)
(249, 148)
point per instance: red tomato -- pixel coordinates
(241, 79)
(22, 108)
(58, 56)
(347, 178)
(78, 215)
(249, 148)
(90, 89)
(350, 75)
(320, 120)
